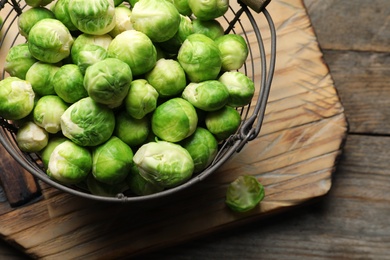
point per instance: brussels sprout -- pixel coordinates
(88, 123)
(165, 22)
(234, 51)
(141, 99)
(173, 45)
(139, 185)
(208, 9)
(68, 83)
(241, 88)
(69, 163)
(16, 98)
(164, 163)
(223, 122)
(47, 113)
(182, 6)
(211, 28)
(244, 193)
(35, 3)
(209, 95)
(50, 41)
(108, 81)
(93, 17)
(130, 130)
(102, 189)
(40, 76)
(18, 61)
(61, 13)
(112, 161)
(27, 19)
(31, 138)
(87, 39)
(122, 21)
(174, 120)
(167, 77)
(203, 148)
(200, 58)
(49, 148)
(134, 48)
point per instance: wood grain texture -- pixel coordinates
(294, 156)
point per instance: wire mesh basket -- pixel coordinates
(259, 67)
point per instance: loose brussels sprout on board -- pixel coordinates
(244, 193)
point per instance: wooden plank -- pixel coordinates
(361, 26)
(351, 222)
(294, 156)
(363, 83)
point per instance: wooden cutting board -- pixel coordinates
(294, 157)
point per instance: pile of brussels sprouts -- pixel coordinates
(124, 97)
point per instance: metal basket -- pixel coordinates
(252, 115)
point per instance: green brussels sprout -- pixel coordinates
(88, 55)
(40, 76)
(211, 28)
(88, 123)
(31, 138)
(244, 193)
(108, 81)
(16, 98)
(203, 148)
(49, 148)
(208, 9)
(234, 51)
(19, 60)
(122, 21)
(141, 99)
(163, 163)
(50, 41)
(130, 130)
(165, 22)
(68, 83)
(102, 189)
(27, 19)
(223, 122)
(167, 77)
(200, 58)
(182, 6)
(92, 17)
(69, 163)
(35, 3)
(173, 44)
(112, 161)
(134, 48)
(48, 111)
(87, 39)
(174, 120)
(209, 95)
(139, 185)
(61, 13)
(241, 88)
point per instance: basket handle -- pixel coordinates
(256, 5)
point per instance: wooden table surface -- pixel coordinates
(352, 220)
